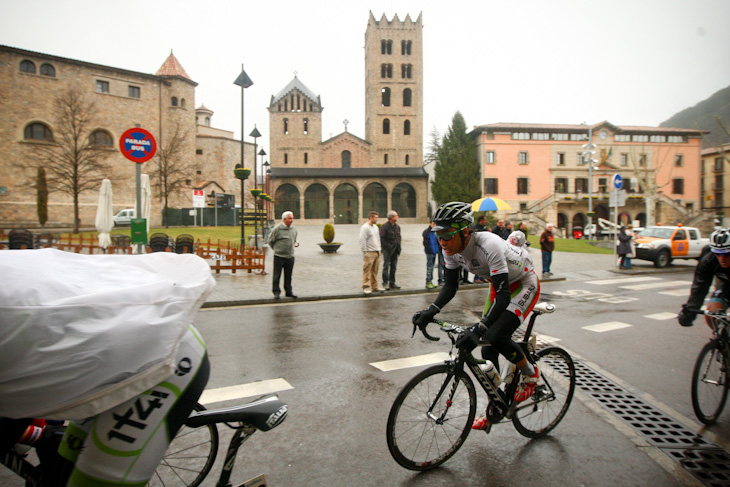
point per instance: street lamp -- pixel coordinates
(262, 153)
(589, 152)
(244, 82)
(255, 134)
(267, 173)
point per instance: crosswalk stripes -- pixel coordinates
(416, 361)
(676, 292)
(657, 285)
(661, 316)
(608, 326)
(621, 280)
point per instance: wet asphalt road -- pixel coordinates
(339, 403)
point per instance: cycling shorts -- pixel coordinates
(721, 296)
(124, 445)
(523, 296)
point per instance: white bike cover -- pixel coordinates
(80, 334)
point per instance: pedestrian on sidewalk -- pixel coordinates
(433, 251)
(624, 248)
(390, 242)
(282, 240)
(547, 245)
(370, 246)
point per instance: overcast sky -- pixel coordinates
(631, 62)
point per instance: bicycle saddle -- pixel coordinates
(265, 413)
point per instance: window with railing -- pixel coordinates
(561, 185)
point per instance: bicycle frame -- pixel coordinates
(500, 399)
(17, 462)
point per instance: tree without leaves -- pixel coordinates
(170, 169)
(42, 196)
(73, 164)
(456, 175)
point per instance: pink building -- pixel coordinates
(541, 170)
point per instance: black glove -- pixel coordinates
(469, 340)
(686, 317)
(424, 317)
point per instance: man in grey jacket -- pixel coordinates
(282, 240)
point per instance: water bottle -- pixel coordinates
(491, 371)
(509, 373)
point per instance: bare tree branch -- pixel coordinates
(171, 170)
(72, 163)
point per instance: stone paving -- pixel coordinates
(319, 275)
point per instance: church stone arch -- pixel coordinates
(374, 198)
(287, 199)
(404, 200)
(316, 202)
(345, 203)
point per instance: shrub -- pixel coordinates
(328, 233)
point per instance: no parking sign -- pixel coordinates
(138, 145)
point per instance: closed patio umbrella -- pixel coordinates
(146, 191)
(105, 214)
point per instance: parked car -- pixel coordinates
(124, 217)
(661, 244)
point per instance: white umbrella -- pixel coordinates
(146, 193)
(105, 214)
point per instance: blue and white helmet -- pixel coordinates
(720, 241)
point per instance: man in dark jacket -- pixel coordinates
(547, 245)
(501, 230)
(433, 250)
(390, 243)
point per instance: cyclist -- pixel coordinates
(107, 342)
(713, 264)
(514, 291)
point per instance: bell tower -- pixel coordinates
(394, 91)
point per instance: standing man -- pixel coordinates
(390, 240)
(481, 225)
(282, 240)
(370, 246)
(547, 245)
(500, 230)
(433, 250)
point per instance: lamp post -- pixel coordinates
(267, 173)
(262, 153)
(242, 174)
(255, 134)
(244, 82)
(589, 152)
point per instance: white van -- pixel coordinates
(124, 217)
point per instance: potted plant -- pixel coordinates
(329, 235)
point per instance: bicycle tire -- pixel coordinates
(710, 382)
(419, 442)
(189, 457)
(542, 412)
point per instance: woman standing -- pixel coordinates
(624, 248)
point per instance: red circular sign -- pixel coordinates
(138, 145)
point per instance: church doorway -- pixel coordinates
(345, 204)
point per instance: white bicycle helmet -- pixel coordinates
(455, 214)
(720, 241)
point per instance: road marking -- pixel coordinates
(676, 292)
(404, 363)
(661, 316)
(608, 326)
(654, 285)
(620, 280)
(244, 390)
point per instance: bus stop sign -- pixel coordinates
(138, 145)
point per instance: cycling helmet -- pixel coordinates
(720, 241)
(453, 215)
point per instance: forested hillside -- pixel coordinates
(704, 116)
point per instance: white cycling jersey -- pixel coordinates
(487, 254)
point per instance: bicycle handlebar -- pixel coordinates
(445, 326)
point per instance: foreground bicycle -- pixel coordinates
(191, 455)
(711, 375)
(433, 414)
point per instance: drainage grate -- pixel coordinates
(707, 462)
(704, 460)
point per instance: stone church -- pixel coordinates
(344, 177)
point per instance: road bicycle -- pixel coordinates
(433, 414)
(192, 453)
(711, 375)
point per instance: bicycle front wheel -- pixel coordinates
(431, 417)
(710, 382)
(189, 457)
(542, 412)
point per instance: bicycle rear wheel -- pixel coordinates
(431, 417)
(710, 382)
(542, 412)
(189, 457)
